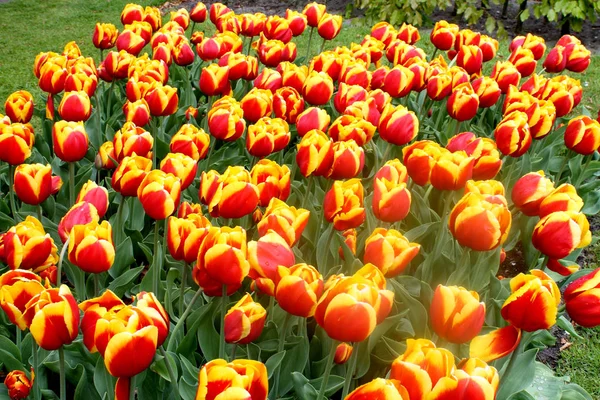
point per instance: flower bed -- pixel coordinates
(241, 218)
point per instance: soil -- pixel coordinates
(550, 31)
(551, 355)
(588, 256)
(514, 263)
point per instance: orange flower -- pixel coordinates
(583, 135)
(191, 141)
(318, 88)
(69, 140)
(244, 322)
(272, 180)
(559, 233)
(512, 134)
(16, 142)
(288, 222)
(237, 380)
(28, 246)
(456, 313)
(19, 106)
(132, 140)
(463, 103)
(18, 384)
(343, 204)
(214, 80)
(397, 125)
(496, 344)
(348, 160)
(17, 287)
(33, 183)
(443, 35)
(91, 247)
(96, 195)
(180, 165)
(581, 298)
(185, 235)
(129, 175)
(159, 194)
(230, 195)
(389, 251)
(225, 119)
(298, 289)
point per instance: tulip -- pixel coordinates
(70, 140)
(16, 142)
(470, 58)
(132, 140)
(18, 384)
(221, 261)
(443, 35)
(348, 160)
(96, 195)
(244, 321)
(137, 112)
(159, 193)
(91, 247)
(214, 80)
(162, 100)
(256, 104)
(190, 141)
(505, 74)
(480, 222)
(318, 88)
(185, 235)
(180, 165)
(456, 313)
(288, 222)
(421, 367)
(131, 13)
(419, 159)
(350, 309)
(343, 204)
(496, 344)
(268, 79)
(265, 256)
(529, 192)
(512, 134)
(239, 379)
(28, 246)
(298, 289)
(348, 94)
(105, 36)
(533, 303)
(52, 75)
(559, 233)
(583, 135)
(463, 103)
(80, 214)
(53, 318)
(578, 57)
(287, 104)
(536, 44)
(272, 181)
(129, 175)
(393, 171)
(230, 195)
(130, 41)
(581, 299)
(238, 65)
(329, 26)
(312, 118)
(19, 106)
(17, 287)
(348, 127)
(524, 61)
(462, 385)
(563, 198)
(389, 251)
(198, 13)
(33, 183)
(489, 187)
(451, 171)
(559, 95)
(225, 119)
(487, 90)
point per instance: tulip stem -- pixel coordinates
(583, 169)
(60, 261)
(11, 191)
(562, 168)
(233, 351)
(18, 335)
(156, 261)
(39, 212)
(309, 187)
(322, 46)
(181, 321)
(312, 30)
(109, 101)
(170, 371)
(182, 288)
(350, 370)
(328, 368)
(280, 347)
(224, 299)
(36, 365)
(96, 285)
(72, 183)
(61, 364)
(119, 224)
(132, 388)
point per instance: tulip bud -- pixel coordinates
(105, 36)
(315, 154)
(198, 13)
(524, 61)
(162, 100)
(225, 119)
(314, 12)
(343, 204)
(239, 379)
(19, 106)
(312, 118)
(343, 352)
(70, 140)
(581, 298)
(271, 180)
(318, 88)
(96, 195)
(559, 233)
(244, 321)
(132, 140)
(75, 106)
(512, 134)
(389, 251)
(159, 194)
(456, 313)
(505, 74)
(256, 104)
(181, 166)
(443, 35)
(191, 141)
(397, 125)
(463, 103)
(288, 222)
(563, 198)
(18, 384)
(348, 160)
(91, 247)
(33, 183)
(298, 289)
(529, 192)
(583, 135)
(230, 195)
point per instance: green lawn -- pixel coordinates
(581, 361)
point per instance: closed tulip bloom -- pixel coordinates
(443, 35)
(162, 100)
(384, 32)
(398, 81)
(534, 43)
(130, 41)
(463, 103)
(350, 238)
(529, 191)
(512, 134)
(343, 204)
(70, 140)
(75, 106)
(237, 63)
(421, 367)
(185, 235)
(505, 74)
(489, 187)
(439, 86)
(387, 389)
(272, 180)
(348, 127)
(198, 13)
(237, 380)
(419, 159)
(210, 48)
(480, 222)
(182, 17)
(583, 135)
(582, 299)
(578, 57)
(18, 384)
(487, 90)
(470, 58)
(268, 79)
(298, 289)
(225, 119)
(351, 308)
(559, 233)
(105, 36)
(563, 198)
(265, 255)
(348, 94)
(222, 260)
(91, 247)
(230, 195)
(19, 106)
(558, 94)
(348, 160)
(393, 170)
(17, 287)
(463, 386)
(533, 303)
(159, 194)
(28, 246)
(397, 125)
(496, 344)
(132, 12)
(129, 175)
(355, 73)
(451, 171)
(182, 166)
(244, 321)
(391, 200)
(456, 313)
(328, 62)
(33, 183)
(191, 141)
(52, 75)
(214, 80)
(288, 222)
(53, 318)
(256, 104)
(16, 142)
(132, 140)
(312, 118)
(524, 61)
(318, 88)
(389, 251)
(292, 75)
(288, 104)
(96, 195)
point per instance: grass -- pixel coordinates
(581, 361)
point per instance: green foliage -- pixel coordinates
(573, 12)
(414, 12)
(581, 361)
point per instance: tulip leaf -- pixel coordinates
(120, 285)
(574, 392)
(295, 360)
(135, 220)
(123, 259)
(520, 376)
(103, 381)
(302, 387)
(10, 356)
(273, 362)
(567, 326)
(82, 391)
(208, 336)
(188, 344)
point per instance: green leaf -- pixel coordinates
(208, 337)
(520, 376)
(524, 15)
(123, 259)
(10, 355)
(273, 362)
(120, 285)
(103, 381)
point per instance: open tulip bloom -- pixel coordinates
(233, 213)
